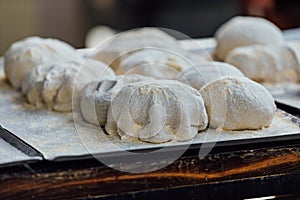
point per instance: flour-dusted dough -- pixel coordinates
(237, 103)
(156, 112)
(156, 63)
(52, 84)
(22, 56)
(243, 31)
(268, 64)
(123, 44)
(96, 96)
(206, 72)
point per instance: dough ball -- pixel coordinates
(268, 64)
(156, 112)
(22, 56)
(237, 103)
(294, 47)
(96, 96)
(206, 72)
(244, 31)
(153, 62)
(123, 44)
(52, 84)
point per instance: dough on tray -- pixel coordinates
(244, 31)
(206, 72)
(123, 44)
(155, 63)
(23, 55)
(238, 103)
(268, 64)
(52, 84)
(156, 112)
(96, 96)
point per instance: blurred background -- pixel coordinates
(73, 20)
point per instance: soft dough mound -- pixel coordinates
(268, 64)
(52, 84)
(237, 103)
(157, 112)
(96, 96)
(23, 55)
(123, 44)
(206, 72)
(243, 31)
(156, 63)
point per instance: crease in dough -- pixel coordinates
(52, 85)
(156, 112)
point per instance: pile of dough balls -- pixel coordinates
(24, 55)
(51, 85)
(243, 31)
(124, 44)
(257, 47)
(45, 69)
(149, 89)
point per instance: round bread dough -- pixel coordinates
(244, 31)
(206, 72)
(237, 103)
(156, 112)
(96, 96)
(156, 63)
(267, 64)
(123, 44)
(52, 84)
(23, 55)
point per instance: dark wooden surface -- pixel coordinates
(226, 173)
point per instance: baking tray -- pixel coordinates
(286, 95)
(56, 137)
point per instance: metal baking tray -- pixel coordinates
(40, 134)
(286, 95)
(54, 136)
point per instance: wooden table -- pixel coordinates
(235, 172)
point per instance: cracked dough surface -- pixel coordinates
(52, 84)
(156, 112)
(96, 96)
(238, 103)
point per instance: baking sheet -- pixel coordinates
(288, 94)
(9, 154)
(56, 136)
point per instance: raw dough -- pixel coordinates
(268, 64)
(243, 31)
(156, 112)
(123, 44)
(23, 55)
(52, 84)
(206, 72)
(153, 62)
(96, 96)
(237, 103)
